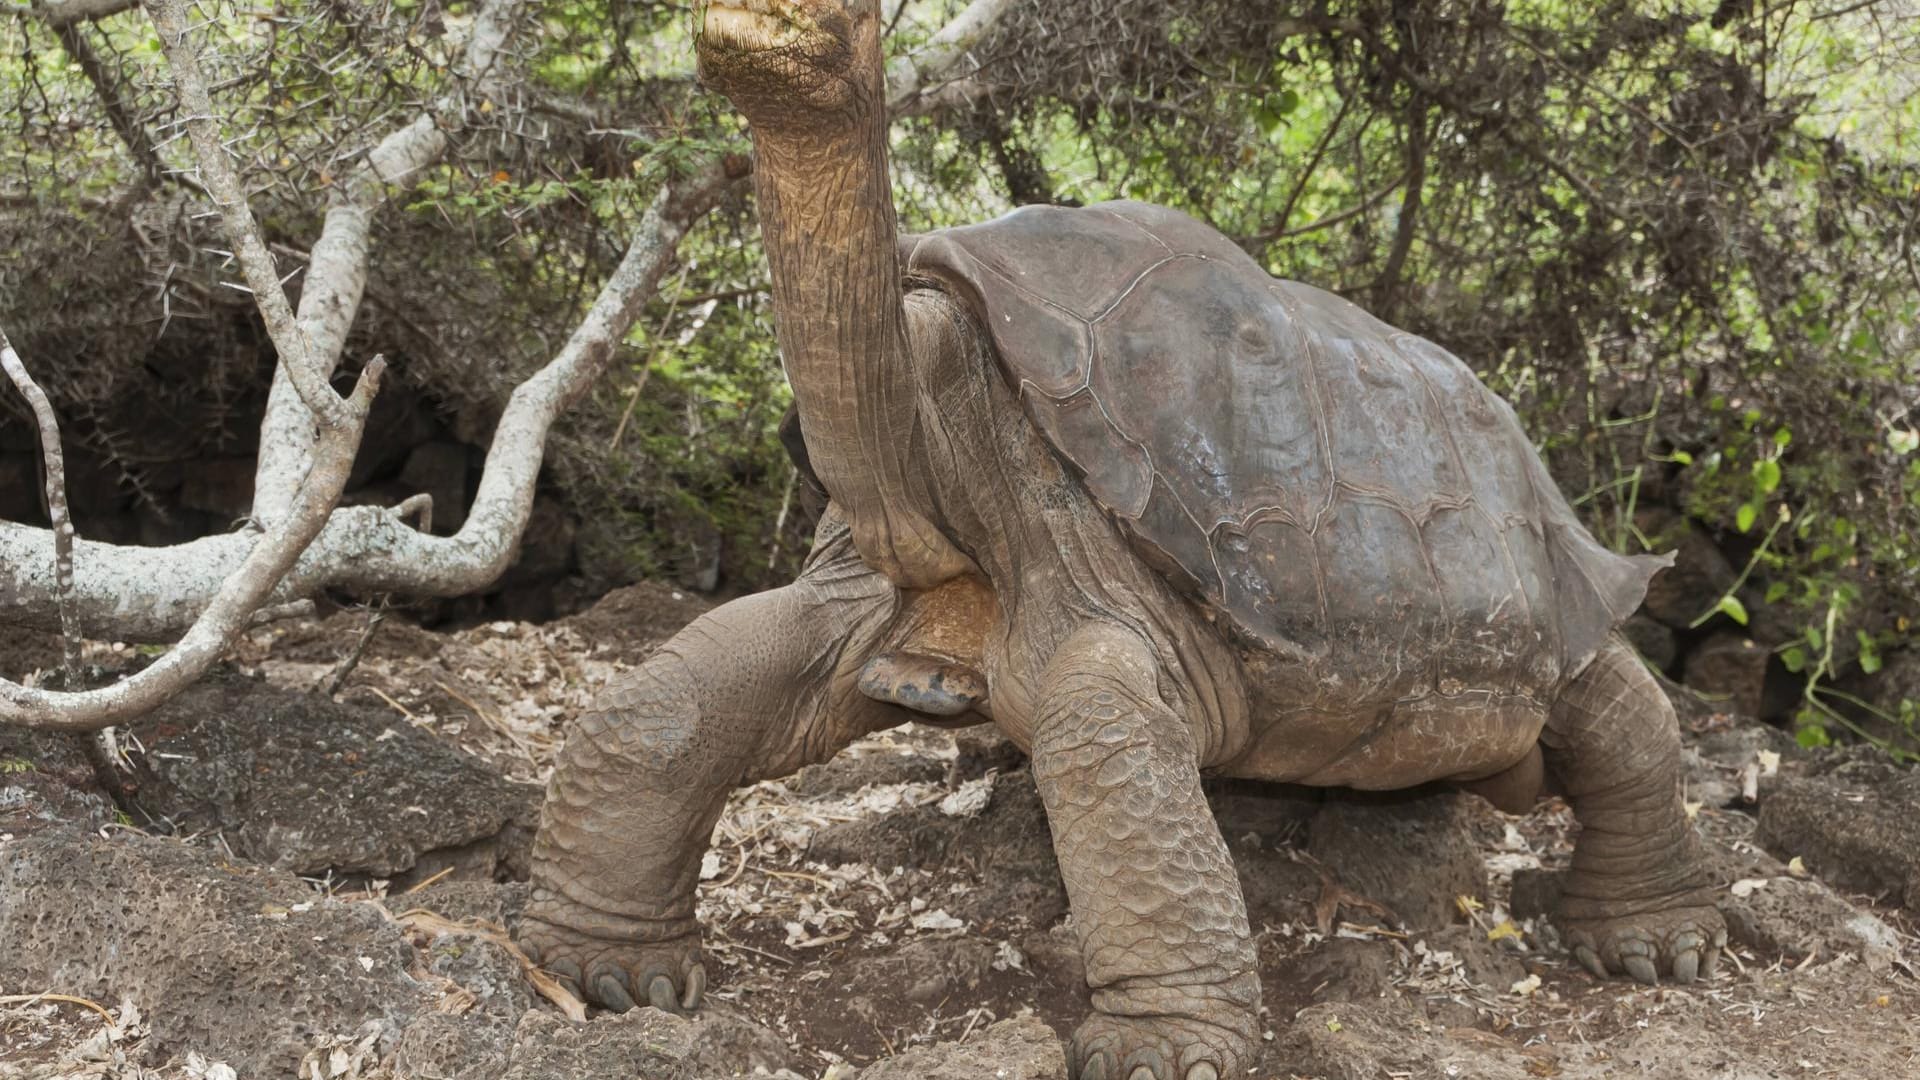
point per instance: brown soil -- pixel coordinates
(905, 895)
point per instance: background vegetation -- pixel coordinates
(1678, 234)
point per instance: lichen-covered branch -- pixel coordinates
(56, 502)
(336, 275)
(233, 605)
(934, 60)
(223, 188)
(149, 594)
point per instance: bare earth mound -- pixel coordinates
(285, 885)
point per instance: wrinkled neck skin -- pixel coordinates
(826, 212)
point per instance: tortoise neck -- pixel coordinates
(826, 212)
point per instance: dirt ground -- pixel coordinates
(284, 885)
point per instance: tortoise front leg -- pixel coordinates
(754, 689)
(1156, 902)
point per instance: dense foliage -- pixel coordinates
(1679, 234)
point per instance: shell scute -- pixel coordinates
(1349, 495)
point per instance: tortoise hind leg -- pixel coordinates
(1156, 903)
(1638, 900)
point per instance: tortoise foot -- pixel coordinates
(1108, 1047)
(618, 973)
(1682, 943)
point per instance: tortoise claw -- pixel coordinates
(660, 994)
(1590, 960)
(1687, 947)
(1686, 966)
(1641, 968)
(696, 987)
(1203, 1071)
(612, 991)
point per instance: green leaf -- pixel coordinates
(1744, 517)
(1734, 609)
(1869, 662)
(1795, 659)
(1766, 475)
(1777, 592)
(1682, 457)
(1781, 437)
(1811, 736)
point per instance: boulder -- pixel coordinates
(241, 963)
(1730, 670)
(220, 487)
(614, 1046)
(1699, 576)
(1655, 641)
(305, 784)
(439, 469)
(1850, 817)
(46, 780)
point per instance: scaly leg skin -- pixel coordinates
(1639, 900)
(756, 688)
(1156, 903)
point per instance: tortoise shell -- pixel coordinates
(1339, 490)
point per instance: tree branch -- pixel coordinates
(131, 132)
(223, 188)
(58, 13)
(907, 74)
(233, 605)
(336, 276)
(56, 504)
(149, 594)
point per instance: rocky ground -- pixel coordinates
(286, 884)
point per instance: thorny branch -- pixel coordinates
(224, 191)
(907, 74)
(336, 274)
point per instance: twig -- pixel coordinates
(66, 12)
(780, 522)
(56, 505)
(295, 610)
(419, 507)
(397, 707)
(633, 399)
(341, 672)
(29, 999)
(418, 886)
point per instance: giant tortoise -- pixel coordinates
(1097, 479)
